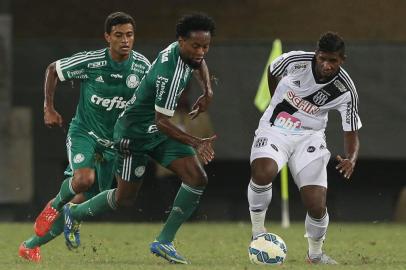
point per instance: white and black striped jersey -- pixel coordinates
(301, 102)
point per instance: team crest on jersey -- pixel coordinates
(139, 171)
(320, 98)
(78, 158)
(132, 81)
(261, 142)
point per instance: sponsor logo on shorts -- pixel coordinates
(322, 146)
(132, 81)
(139, 171)
(300, 103)
(274, 147)
(261, 142)
(287, 121)
(311, 149)
(78, 158)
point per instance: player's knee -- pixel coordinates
(263, 171)
(317, 211)
(82, 181)
(262, 177)
(196, 179)
(125, 200)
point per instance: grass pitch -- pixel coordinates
(207, 246)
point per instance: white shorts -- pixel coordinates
(296, 149)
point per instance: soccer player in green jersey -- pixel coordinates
(145, 129)
(108, 78)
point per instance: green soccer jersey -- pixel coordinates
(158, 91)
(106, 87)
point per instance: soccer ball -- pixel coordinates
(267, 248)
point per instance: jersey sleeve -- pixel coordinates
(349, 111)
(76, 66)
(168, 88)
(284, 63)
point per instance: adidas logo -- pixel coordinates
(99, 79)
(297, 83)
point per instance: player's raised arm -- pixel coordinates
(51, 117)
(351, 147)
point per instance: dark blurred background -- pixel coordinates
(36, 33)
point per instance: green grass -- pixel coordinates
(208, 246)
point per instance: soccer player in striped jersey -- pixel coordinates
(145, 129)
(304, 86)
(108, 78)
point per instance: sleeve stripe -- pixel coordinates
(277, 71)
(354, 100)
(174, 84)
(73, 59)
(182, 72)
(164, 111)
(65, 66)
(59, 71)
(141, 58)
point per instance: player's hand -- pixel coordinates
(52, 118)
(201, 105)
(345, 166)
(205, 149)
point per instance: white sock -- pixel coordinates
(316, 230)
(259, 197)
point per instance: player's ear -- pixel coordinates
(107, 37)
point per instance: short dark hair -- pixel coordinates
(116, 18)
(331, 42)
(194, 22)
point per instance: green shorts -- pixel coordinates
(85, 152)
(132, 154)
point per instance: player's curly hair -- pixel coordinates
(194, 22)
(331, 42)
(116, 18)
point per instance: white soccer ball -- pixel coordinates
(268, 249)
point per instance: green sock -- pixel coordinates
(65, 194)
(56, 229)
(102, 202)
(184, 205)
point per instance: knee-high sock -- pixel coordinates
(101, 203)
(259, 197)
(65, 195)
(316, 230)
(56, 229)
(184, 205)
